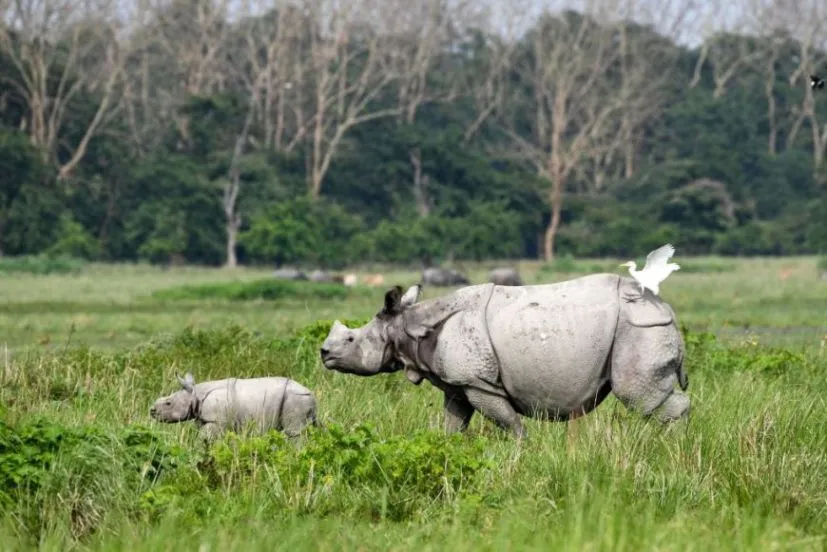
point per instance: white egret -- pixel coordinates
(656, 270)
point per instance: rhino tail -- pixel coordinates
(683, 378)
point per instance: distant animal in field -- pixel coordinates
(289, 274)
(505, 276)
(816, 82)
(350, 280)
(320, 276)
(229, 404)
(552, 351)
(443, 277)
(656, 269)
(785, 273)
(373, 279)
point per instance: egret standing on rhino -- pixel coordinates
(552, 351)
(656, 269)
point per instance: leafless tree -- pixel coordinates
(808, 27)
(730, 46)
(63, 52)
(350, 62)
(179, 54)
(644, 35)
(232, 187)
(487, 81)
(272, 50)
(421, 33)
(575, 115)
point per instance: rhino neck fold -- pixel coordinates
(422, 323)
(208, 388)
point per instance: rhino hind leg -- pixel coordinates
(497, 409)
(299, 412)
(458, 412)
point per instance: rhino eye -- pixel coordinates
(350, 339)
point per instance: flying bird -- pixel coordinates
(657, 269)
(816, 82)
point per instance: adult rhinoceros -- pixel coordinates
(551, 351)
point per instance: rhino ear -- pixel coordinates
(187, 382)
(392, 298)
(411, 296)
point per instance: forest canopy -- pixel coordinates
(327, 133)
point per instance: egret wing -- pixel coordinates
(659, 256)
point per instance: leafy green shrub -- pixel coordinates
(47, 468)
(74, 241)
(705, 352)
(40, 265)
(265, 289)
(356, 471)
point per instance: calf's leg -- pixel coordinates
(298, 412)
(209, 432)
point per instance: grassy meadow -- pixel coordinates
(84, 354)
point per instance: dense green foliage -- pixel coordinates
(80, 464)
(726, 169)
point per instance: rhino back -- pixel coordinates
(238, 400)
(552, 341)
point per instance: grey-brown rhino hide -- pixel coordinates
(551, 351)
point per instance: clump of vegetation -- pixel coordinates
(337, 470)
(258, 290)
(49, 470)
(40, 265)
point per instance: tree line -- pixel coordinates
(322, 132)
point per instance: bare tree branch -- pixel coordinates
(351, 62)
(75, 46)
(574, 110)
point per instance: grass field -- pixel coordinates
(82, 467)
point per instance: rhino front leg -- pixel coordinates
(458, 412)
(496, 408)
(209, 432)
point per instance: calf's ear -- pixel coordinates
(187, 382)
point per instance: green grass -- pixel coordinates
(34, 264)
(82, 466)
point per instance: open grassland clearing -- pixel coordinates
(83, 467)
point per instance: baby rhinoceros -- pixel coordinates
(220, 405)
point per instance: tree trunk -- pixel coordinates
(420, 185)
(233, 224)
(556, 200)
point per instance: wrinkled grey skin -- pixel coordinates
(505, 276)
(552, 351)
(289, 274)
(218, 405)
(443, 277)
